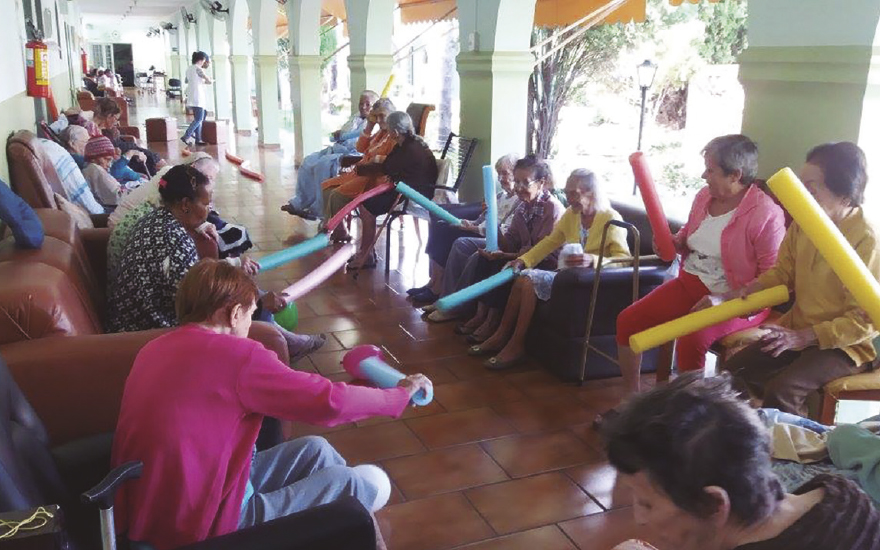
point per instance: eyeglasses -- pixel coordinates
(520, 184)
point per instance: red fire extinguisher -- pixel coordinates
(85, 61)
(37, 57)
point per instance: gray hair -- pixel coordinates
(370, 94)
(401, 123)
(587, 180)
(68, 134)
(507, 161)
(732, 153)
(384, 104)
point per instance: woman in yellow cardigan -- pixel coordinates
(824, 335)
(581, 226)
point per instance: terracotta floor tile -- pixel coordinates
(546, 414)
(332, 323)
(542, 538)
(600, 480)
(472, 394)
(524, 455)
(604, 531)
(433, 523)
(588, 434)
(410, 350)
(443, 471)
(531, 502)
(540, 384)
(443, 430)
(439, 375)
(411, 412)
(329, 362)
(544, 425)
(374, 443)
(601, 399)
(465, 367)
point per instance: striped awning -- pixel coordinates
(548, 13)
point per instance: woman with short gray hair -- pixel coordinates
(410, 161)
(731, 237)
(579, 233)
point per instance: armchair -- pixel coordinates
(557, 333)
(34, 473)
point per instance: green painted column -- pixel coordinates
(494, 67)
(809, 78)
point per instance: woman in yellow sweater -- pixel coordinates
(581, 225)
(824, 335)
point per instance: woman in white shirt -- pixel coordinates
(196, 100)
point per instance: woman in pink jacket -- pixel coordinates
(191, 410)
(732, 235)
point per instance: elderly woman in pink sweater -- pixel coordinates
(191, 410)
(732, 235)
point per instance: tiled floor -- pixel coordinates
(497, 460)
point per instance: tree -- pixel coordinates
(725, 31)
(564, 74)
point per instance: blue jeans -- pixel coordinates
(300, 474)
(195, 129)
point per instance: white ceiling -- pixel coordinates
(129, 14)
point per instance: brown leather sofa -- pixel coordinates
(33, 177)
(51, 332)
(52, 313)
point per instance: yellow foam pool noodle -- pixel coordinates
(387, 87)
(692, 322)
(828, 239)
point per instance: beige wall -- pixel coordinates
(17, 112)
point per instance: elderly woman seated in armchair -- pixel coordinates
(339, 191)
(825, 334)
(411, 161)
(579, 233)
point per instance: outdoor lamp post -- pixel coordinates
(646, 72)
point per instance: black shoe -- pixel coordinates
(201, 143)
(425, 297)
(301, 212)
(414, 291)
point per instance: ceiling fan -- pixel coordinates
(187, 17)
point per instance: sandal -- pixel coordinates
(478, 351)
(494, 364)
(463, 330)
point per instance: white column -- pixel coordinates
(241, 94)
(263, 17)
(220, 62)
(240, 63)
(370, 27)
(204, 23)
(304, 25)
(268, 110)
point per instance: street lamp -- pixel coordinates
(646, 72)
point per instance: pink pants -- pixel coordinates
(674, 299)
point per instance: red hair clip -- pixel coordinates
(162, 183)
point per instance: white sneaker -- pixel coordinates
(376, 477)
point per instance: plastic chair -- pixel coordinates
(174, 90)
